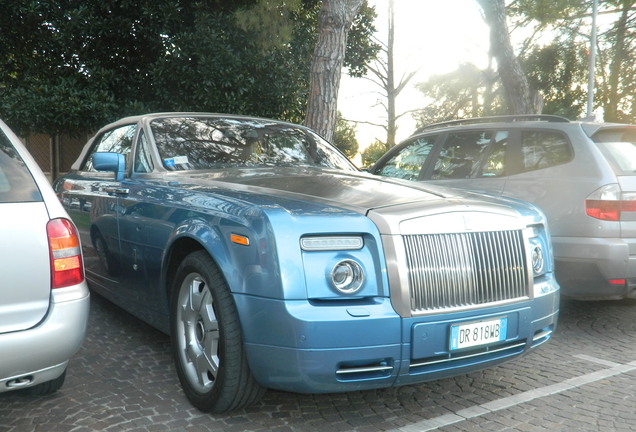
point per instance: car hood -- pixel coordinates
(356, 191)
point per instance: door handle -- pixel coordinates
(117, 191)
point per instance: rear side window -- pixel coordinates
(16, 182)
(117, 140)
(407, 164)
(618, 145)
(544, 149)
(462, 155)
(621, 155)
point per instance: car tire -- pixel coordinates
(46, 387)
(206, 336)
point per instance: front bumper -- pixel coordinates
(41, 354)
(305, 348)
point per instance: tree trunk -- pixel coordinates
(515, 83)
(614, 96)
(334, 20)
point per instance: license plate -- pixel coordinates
(478, 333)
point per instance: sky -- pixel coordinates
(431, 37)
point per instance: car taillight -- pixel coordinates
(617, 282)
(609, 202)
(67, 267)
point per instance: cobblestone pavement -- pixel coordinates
(123, 379)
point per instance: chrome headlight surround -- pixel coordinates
(343, 262)
(538, 259)
(347, 276)
(539, 255)
(541, 261)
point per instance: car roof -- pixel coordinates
(152, 116)
(526, 120)
(144, 118)
(530, 118)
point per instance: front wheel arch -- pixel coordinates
(178, 251)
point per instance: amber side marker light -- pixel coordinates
(239, 239)
(67, 267)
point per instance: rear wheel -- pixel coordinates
(206, 339)
(46, 387)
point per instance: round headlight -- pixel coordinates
(537, 259)
(347, 276)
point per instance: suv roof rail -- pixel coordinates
(492, 119)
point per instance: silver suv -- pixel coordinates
(582, 175)
(44, 299)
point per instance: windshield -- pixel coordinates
(199, 143)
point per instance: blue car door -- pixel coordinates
(92, 199)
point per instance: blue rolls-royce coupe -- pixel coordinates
(274, 263)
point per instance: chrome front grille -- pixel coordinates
(465, 269)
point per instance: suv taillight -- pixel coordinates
(609, 202)
(67, 267)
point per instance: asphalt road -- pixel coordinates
(123, 379)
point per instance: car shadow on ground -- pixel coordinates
(123, 378)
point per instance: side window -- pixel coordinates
(544, 149)
(495, 163)
(408, 162)
(143, 161)
(115, 140)
(461, 155)
(16, 182)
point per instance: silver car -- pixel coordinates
(44, 299)
(582, 175)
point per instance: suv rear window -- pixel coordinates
(16, 182)
(619, 148)
(622, 156)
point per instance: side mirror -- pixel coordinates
(114, 162)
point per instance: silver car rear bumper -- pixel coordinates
(584, 267)
(40, 354)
